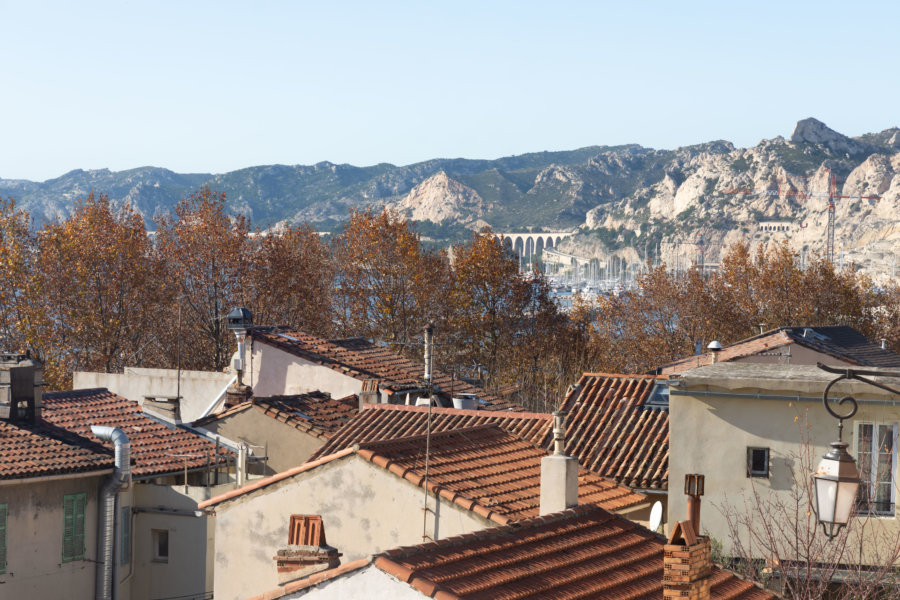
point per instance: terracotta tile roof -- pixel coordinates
(487, 470)
(614, 434)
(314, 413)
(361, 359)
(43, 449)
(155, 448)
(390, 421)
(482, 469)
(314, 579)
(841, 342)
(584, 552)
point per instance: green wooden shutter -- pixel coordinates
(73, 526)
(125, 528)
(4, 513)
(68, 527)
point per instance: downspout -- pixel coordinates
(107, 566)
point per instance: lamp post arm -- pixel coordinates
(852, 374)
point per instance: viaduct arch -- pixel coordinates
(527, 244)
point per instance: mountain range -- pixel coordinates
(626, 201)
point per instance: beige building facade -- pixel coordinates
(746, 426)
(41, 513)
(364, 508)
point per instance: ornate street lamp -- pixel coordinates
(836, 478)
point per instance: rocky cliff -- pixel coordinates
(627, 201)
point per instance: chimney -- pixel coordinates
(714, 347)
(884, 343)
(20, 388)
(559, 473)
(762, 328)
(369, 393)
(687, 563)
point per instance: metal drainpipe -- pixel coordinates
(107, 567)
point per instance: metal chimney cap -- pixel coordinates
(239, 318)
(714, 346)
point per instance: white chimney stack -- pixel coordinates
(559, 473)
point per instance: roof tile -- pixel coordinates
(155, 448)
(361, 359)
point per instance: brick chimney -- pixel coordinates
(559, 473)
(687, 563)
(307, 552)
(21, 385)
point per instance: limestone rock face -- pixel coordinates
(439, 199)
(813, 131)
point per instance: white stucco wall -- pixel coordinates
(710, 435)
(272, 371)
(369, 582)
(198, 388)
(287, 446)
(34, 537)
(364, 508)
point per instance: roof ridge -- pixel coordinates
(442, 410)
(503, 531)
(75, 393)
(374, 445)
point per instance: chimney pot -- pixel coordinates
(559, 473)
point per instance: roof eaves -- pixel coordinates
(262, 483)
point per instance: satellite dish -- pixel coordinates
(655, 515)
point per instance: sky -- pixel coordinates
(215, 86)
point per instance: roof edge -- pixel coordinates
(262, 483)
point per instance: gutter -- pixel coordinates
(760, 396)
(107, 565)
(57, 477)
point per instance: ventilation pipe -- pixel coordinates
(107, 565)
(884, 343)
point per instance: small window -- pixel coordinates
(757, 462)
(73, 527)
(160, 545)
(4, 512)
(125, 540)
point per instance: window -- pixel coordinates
(757, 462)
(160, 545)
(876, 457)
(125, 540)
(73, 527)
(4, 512)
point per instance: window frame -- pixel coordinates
(861, 508)
(750, 471)
(73, 526)
(155, 535)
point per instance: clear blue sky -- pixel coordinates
(216, 86)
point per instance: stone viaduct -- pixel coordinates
(527, 244)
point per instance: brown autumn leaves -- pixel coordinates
(95, 292)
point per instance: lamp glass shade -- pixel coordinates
(836, 483)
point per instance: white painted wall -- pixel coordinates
(365, 510)
(369, 582)
(34, 538)
(272, 372)
(198, 388)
